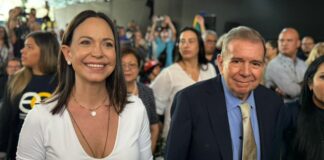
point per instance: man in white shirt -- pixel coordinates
(285, 72)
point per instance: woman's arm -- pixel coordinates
(31, 139)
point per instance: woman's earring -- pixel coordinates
(68, 62)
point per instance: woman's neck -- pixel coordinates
(131, 87)
(191, 67)
(89, 94)
(190, 63)
(209, 57)
(36, 71)
(272, 57)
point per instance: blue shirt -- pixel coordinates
(235, 122)
(169, 45)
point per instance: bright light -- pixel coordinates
(6, 6)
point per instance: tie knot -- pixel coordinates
(245, 109)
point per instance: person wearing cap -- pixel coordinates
(150, 70)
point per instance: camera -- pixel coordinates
(160, 23)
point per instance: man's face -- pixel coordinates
(210, 44)
(242, 67)
(288, 42)
(307, 44)
(12, 67)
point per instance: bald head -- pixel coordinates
(290, 30)
(288, 42)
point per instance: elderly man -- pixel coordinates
(210, 39)
(227, 117)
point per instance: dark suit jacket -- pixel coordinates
(200, 128)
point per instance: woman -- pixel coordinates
(271, 53)
(6, 51)
(308, 135)
(89, 115)
(271, 50)
(131, 64)
(34, 82)
(190, 67)
(316, 52)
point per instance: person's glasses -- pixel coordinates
(130, 66)
(14, 67)
(211, 41)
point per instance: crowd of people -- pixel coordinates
(106, 91)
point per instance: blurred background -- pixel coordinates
(267, 16)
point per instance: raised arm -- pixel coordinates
(171, 26)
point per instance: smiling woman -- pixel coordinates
(90, 113)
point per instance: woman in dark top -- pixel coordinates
(34, 82)
(308, 132)
(131, 64)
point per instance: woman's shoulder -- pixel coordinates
(135, 106)
(172, 67)
(41, 114)
(134, 101)
(43, 109)
(208, 69)
(144, 88)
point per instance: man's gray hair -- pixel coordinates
(243, 33)
(209, 32)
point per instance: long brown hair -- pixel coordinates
(115, 83)
(49, 48)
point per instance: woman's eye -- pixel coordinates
(108, 44)
(85, 42)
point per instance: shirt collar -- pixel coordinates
(231, 101)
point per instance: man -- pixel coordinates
(210, 40)
(11, 67)
(285, 72)
(206, 117)
(306, 46)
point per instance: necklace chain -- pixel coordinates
(93, 110)
(83, 136)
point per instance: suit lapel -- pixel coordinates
(216, 106)
(260, 105)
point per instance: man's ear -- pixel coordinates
(298, 43)
(220, 62)
(67, 53)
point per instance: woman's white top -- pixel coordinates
(52, 137)
(171, 80)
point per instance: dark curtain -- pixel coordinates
(150, 4)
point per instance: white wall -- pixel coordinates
(121, 10)
(64, 15)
